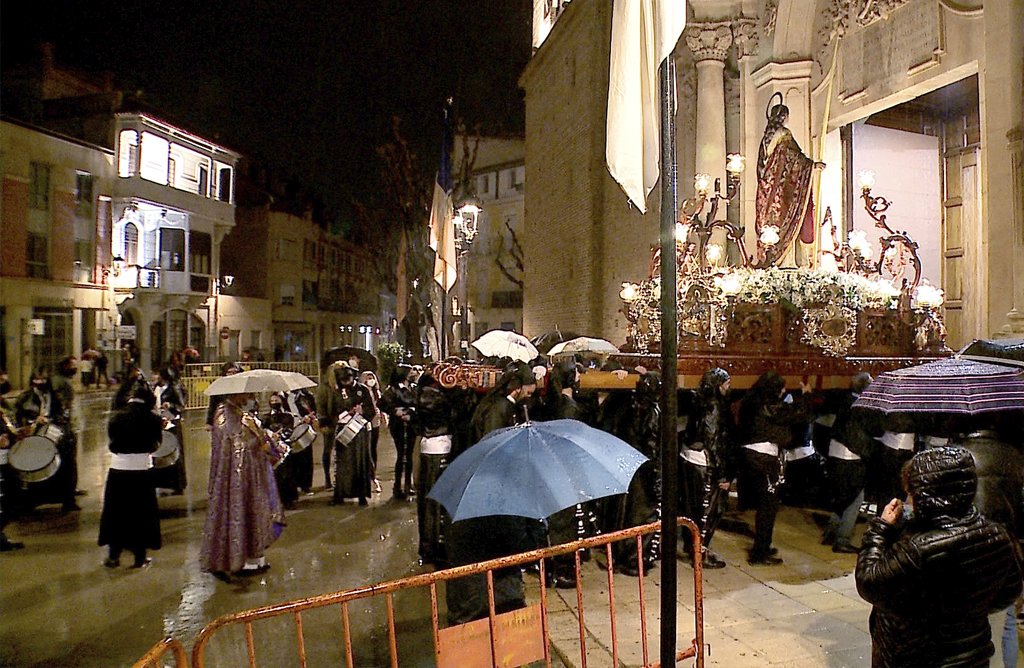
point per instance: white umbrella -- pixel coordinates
(502, 343)
(583, 344)
(259, 380)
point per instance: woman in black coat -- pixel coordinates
(399, 403)
(130, 519)
(934, 580)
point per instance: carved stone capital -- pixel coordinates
(746, 33)
(709, 41)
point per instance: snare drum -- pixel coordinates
(168, 452)
(302, 437)
(350, 427)
(34, 458)
(50, 432)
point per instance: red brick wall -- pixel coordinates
(14, 236)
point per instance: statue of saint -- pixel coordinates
(784, 208)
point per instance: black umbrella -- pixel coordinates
(544, 342)
(1004, 351)
(367, 360)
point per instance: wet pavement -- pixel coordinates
(60, 607)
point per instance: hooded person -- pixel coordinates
(768, 423)
(847, 451)
(933, 580)
(130, 518)
(706, 471)
(398, 402)
(504, 405)
(351, 402)
(39, 408)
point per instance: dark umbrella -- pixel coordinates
(544, 342)
(534, 470)
(956, 386)
(1005, 351)
(367, 360)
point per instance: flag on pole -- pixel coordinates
(441, 230)
(644, 33)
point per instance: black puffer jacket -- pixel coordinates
(934, 582)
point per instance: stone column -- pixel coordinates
(710, 44)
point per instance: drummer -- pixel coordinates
(35, 408)
(170, 404)
(302, 405)
(9, 484)
(281, 421)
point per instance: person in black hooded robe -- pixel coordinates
(642, 503)
(130, 518)
(479, 539)
(706, 469)
(768, 423)
(433, 422)
(847, 452)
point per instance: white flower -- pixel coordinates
(729, 284)
(629, 292)
(769, 235)
(859, 244)
(714, 253)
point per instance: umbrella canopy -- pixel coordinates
(535, 470)
(259, 380)
(951, 385)
(545, 341)
(1005, 351)
(367, 360)
(583, 344)
(502, 343)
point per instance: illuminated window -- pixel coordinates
(154, 165)
(128, 153)
(83, 194)
(287, 293)
(131, 244)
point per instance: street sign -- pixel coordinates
(225, 333)
(37, 327)
(125, 332)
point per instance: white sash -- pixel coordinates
(840, 451)
(131, 462)
(802, 452)
(696, 457)
(898, 440)
(764, 447)
(436, 445)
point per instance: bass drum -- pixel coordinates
(34, 459)
(168, 452)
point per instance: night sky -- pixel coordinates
(307, 87)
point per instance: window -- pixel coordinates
(128, 153)
(172, 249)
(310, 291)
(286, 249)
(204, 181)
(155, 163)
(224, 184)
(508, 326)
(37, 255)
(287, 294)
(131, 244)
(199, 252)
(254, 338)
(39, 186)
(507, 299)
(83, 195)
(309, 254)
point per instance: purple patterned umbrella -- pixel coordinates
(946, 386)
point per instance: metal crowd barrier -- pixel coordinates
(197, 377)
(502, 640)
(154, 658)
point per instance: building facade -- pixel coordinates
(925, 94)
(55, 221)
(490, 283)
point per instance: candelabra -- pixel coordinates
(898, 250)
(705, 253)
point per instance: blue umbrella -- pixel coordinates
(534, 470)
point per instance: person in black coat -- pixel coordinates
(36, 407)
(433, 422)
(399, 403)
(503, 406)
(768, 422)
(933, 581)
(130, 519)
(847, 451)
(706, 472)
(281, 421)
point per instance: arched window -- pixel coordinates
(131, 244)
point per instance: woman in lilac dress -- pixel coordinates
(244, 514)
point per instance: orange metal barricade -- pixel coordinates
(502, 640)
(154, 657)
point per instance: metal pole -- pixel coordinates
(669, 367)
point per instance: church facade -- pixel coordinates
(918, 100)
